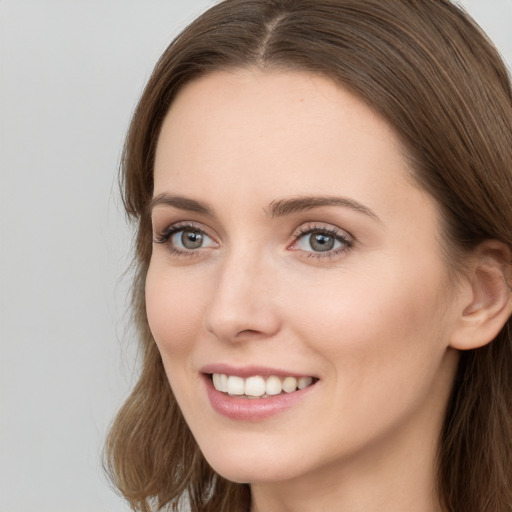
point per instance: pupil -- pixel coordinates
(321, 242)
(191, 239)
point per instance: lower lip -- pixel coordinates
(253, 409)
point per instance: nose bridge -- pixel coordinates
(242, 301)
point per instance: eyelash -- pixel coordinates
(343, 239)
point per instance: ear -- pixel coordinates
(488, 304)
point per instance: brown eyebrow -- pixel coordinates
(278, 208)
(302, 203)
(180, 202)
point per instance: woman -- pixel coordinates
(323, 198)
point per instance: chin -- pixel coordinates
(251, 466)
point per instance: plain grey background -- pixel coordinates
(70, 76)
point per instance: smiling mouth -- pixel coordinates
(259, 387)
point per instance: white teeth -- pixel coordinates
(304, 382)
(289, 384)
(236, 385)
(223, 383)
(273, 385)
(256, 386)
(216, 380)
(220, 381)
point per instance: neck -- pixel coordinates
(400, 483)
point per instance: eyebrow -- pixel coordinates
(303, 203)
(278, 208)
(181, 203)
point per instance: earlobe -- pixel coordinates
(490, 299)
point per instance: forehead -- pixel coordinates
(269, 134)
(259, 104)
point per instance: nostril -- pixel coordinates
(248, 332)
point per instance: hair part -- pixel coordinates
(431, 72)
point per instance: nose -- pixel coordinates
(243, 303)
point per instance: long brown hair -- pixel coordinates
(429, 70)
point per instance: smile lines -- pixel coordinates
(258, 387)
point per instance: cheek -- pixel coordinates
(173, 307)
(382, 343)
(374, 320)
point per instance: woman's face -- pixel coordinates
(293, 250)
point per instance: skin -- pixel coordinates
(373, 321)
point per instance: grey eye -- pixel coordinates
(190, 239)
(321, 242)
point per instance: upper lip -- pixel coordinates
(250, 371)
